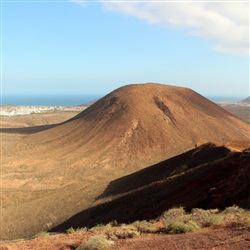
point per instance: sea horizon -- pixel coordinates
(48, 100)
(77, 100)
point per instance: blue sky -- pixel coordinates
(93, 47)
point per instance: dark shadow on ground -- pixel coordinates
(203, 155)
(217, 184)
(27, 130)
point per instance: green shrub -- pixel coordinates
(42, 234)
(81, 229)
(206, 218)
(101, 227)
(201, 216)
(145, 226)
(244, 219)
(98, 242)
(173, 212)
(70, 230)
(193, 226)
(179, 227)
(172, 215)
(214, 220)
(125, 232)
(112, 236)
(235, 210)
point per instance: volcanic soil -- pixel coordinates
(217, 238)
(53, 173)
(240, 109)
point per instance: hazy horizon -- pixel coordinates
(77, 99)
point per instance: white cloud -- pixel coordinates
(226, 23)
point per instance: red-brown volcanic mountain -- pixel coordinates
(52, 175)
(143, 124)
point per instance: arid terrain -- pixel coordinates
(240, 109)
(31, 116)
(151, 146)
(174, 229)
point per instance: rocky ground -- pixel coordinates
(239, 109)
(225, 237)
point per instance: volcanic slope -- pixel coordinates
(49, 176)
(141, 124)
(209, 176)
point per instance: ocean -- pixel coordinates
(74, 100)
(48, 100)
(225, 98)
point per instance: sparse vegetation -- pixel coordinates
(101, 227)
(124, 232)
(176, 220)
(178, 227)
(172, 215)
(42, 234)
(81, 229)
(235, 210)
(98, 242)
(244, 219)
(237, 214)
(146, 227)
(71, 230)
(172, 221)
(214, 220)
(201, 216)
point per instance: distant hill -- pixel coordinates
(247, 100)
(88, 104)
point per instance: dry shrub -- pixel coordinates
(124, 232)
(176, 221)
(244, 219)
(101, 227)
(70, 230)
(42, 234)
(238, 215)
(207, 218)
(234, 210)
(178, 227)
(214, 220)
(145, 226)
(171, 215)
(98, 242)
(201, 216)
(82, 229)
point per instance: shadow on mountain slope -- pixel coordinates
(27, 130)
(131, 128)
(198, 182)
(207, 153)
